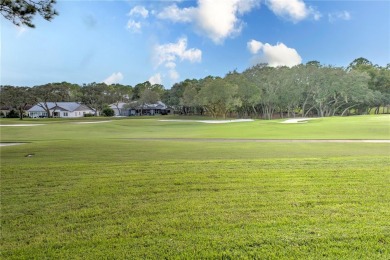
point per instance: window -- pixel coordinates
(65, 113)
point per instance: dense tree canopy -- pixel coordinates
(261, 91)
(52, 92)
(16, 97)
(22, 12)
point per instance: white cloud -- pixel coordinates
(254, 46)
(169, 53)
(217, 19)
(139, 11)
(134, 26)
(344, 15)
(155, 79)
(114, 78)
(277, 55)
(176, 14)
(294, 10)
(170, 65)
(244, 6)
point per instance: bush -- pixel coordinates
(13, 114)
(89, 115)
(108, 112)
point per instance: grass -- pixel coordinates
(90, 193)
(359, 127)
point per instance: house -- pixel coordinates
(60, 109)
(5, 110)
(120, 109)
(125, 109)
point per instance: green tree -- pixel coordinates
(96, 96)
(189, 101)
(314, 63)
(379, 80)
(247, 92)
(267, 80)
(119, 94)
(16, 97)
(354, 93)
(47, 93)
(360, 64)
(158, 88)
(137, 90)
(218, 96)
(293, 91)
(22, 12)
(173, 95)
(148, 96)
(107, 111)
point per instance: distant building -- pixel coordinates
(120, 109)
(126, 109)
(61, 109)
(5, 110)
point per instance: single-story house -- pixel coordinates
(61, 109)
(159, 108)
(120, 109)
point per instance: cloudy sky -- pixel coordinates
(165, 41)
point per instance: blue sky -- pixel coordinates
(129, 42)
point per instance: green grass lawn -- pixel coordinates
(91, 192)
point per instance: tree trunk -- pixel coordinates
(377, 110)
(308, 111)
(347, 109)
(20, 113)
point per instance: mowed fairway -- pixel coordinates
(101, 191)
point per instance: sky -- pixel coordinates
(165, 42)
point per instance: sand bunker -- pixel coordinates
(297, 120)
(10, 144)
(92, 122)
(211, 121)
(23, 125)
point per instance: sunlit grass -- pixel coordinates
(89, 192)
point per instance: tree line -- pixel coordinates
(261, 91)
(311, 89)
(97, 96)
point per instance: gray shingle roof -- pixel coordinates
(63, 106)
(158, 105)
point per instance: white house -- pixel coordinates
(61, 109)
(119, 109)
(159, 108)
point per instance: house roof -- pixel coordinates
(120, 105)
(158, 105)
(61, 106)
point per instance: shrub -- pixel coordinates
(108, 112)
(89, 115)
(13, 114)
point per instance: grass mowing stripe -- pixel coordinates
(219, 208)
(85, 193)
